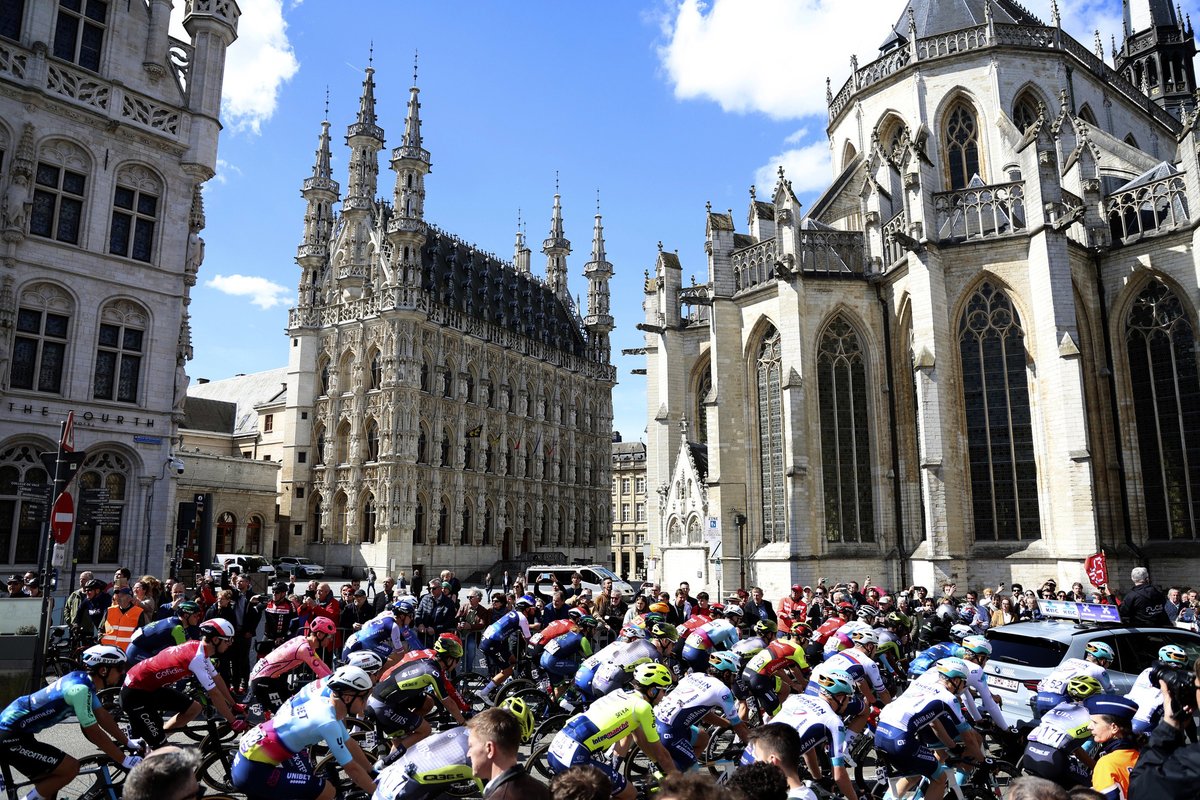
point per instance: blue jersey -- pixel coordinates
(158, 636)
(927, 658)
(382, 635)
(910, 714)
(299, 723)
(72, 694)
(507, 625)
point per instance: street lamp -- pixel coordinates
(739, 519)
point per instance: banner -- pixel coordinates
(1097, 569)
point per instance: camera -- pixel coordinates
(1179, 684)
(175, 464)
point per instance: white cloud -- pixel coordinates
(224, 170)
(257, 64)
(806, 167)
(262, 292)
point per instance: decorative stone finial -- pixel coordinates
(753, 193)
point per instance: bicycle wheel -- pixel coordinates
(994, 777)
(515, 685)
(214, 772)
(641, 771)
(91, 783)
(110, 700)
(329, 769)
(366, 735)
(537, 765)
(545, 731)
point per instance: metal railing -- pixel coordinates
(979, 212)
(1156, 207)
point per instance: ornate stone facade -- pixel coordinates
(974, 357)
(444, 409)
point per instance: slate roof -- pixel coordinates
(700, 459)
(245, 391)
(935, 17)
(204, 414)
(629, 451)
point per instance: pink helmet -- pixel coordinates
(322, 625)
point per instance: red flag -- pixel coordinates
(67, 444)
(1097, 569)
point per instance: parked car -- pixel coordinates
(1026, 652)
(540, 579)
(299, 566)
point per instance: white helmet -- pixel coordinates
(959, 632)
(102, 655)
(366, 660)
(217, 628)
(350, 679)
(734, 610)
(867, 636)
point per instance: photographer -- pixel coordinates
(1166, 767)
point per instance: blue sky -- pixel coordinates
(660, 106)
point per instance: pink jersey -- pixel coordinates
(293, 653)
(171, 665)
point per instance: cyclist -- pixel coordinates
(561, 656)
(278, 614)
(1051, 690)
(925, 714)
(164, 633)
(495, 643)
(387, 634)
(611, 720)
(859, 662)
(1117, 750)
(407, 692)
(817, 717)
(1062, 732)
(436, 764)
(147, 690)
(269, 678)
(762, 633)
(720, 634)
(49, 768)
(266, 765)
(615, 672)
(774, 672)
(699, 699)
(1148, 695)
(365, 660)
(445, 647)
(930, 656)
(974, 652)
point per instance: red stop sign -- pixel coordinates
(62, 518)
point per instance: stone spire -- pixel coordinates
(1157, 54)
(521, 251)
(598, 270)
(365, 138)
(557, 247)
(410, 162)
(320, 192)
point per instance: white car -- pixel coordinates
(299, 566)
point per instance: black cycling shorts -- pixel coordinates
(28, 756)
(144, 710)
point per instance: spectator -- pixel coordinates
(758, 608)
(168, 773)
(403, 582)
(556, 610)
(572, 593)
(1077, 594)
(1004, 614)
(247, 610)
(435, 613)
(779, 744)
(143, 598)
(1174, 603)
(1144, 605)
(122, 619)
(16, 586)
(472, 619)
(691, 786)
(224, 610)
(1030, 788)
(371, 581)
(1168, 766)
(581, 783)
(178, 595)
(641, 605)
(278, 614)
(494, 736)
(384, 597)
(759, 781)
(357, 613)
(73, 609)
(97, 604)
(120, 578)
(687, 591)
(681, 609)
(788, 606)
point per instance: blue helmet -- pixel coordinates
(1100, 650)
(404, 607)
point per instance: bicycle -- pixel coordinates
(216, 756)
(96, 780)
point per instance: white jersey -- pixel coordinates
(918, 707)
(976, 686)
(1148, 697)
(444, 753)
(693, 698)
(816, 723)
(1063, 726)
(1056, 681)
(859, 665)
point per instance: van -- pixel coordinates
(540, 579)
(246, 564)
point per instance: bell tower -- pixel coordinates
(1156, 54)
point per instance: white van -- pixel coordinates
(246, 564)
(540, 579)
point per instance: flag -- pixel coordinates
(475, 432)
(538, 444)
(67, 443)
(1097, 569)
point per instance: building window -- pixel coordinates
(11, 14)
(372, 441)
(324, 377)
(298, 529)
(640, 510)
(57, 203)
(422, 446)
(703, 389)
(465, 535)
(1025, 111)
(319, 456)
(119, 353)
(226, 527)
(20, 519)
(376, 371)
(487, 524)
(419, 524)
(254, 535)
(299, 492)
(999, 429)
(317, 532)
(961, 146)
(641, 485)
(369, 518)
(1161, 344)
(39, 351)
(79, 33)
(769, 379)
(301, 457)
(342, 443)
(625, 512)
(625, 486)
(268, 423)
(445, 449)
(443, 528)
(341, 507)
(134, 217)
(845, 436)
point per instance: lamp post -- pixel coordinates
(739, 519)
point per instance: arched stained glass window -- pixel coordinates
(769, 380)
(961, 146)
(1025, 111)
(999, 430)
(845, 436)
(1161, 344)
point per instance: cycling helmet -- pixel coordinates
(187, 607)
(723, 661)
(864, 636)
(322, 625)
(966, 612)
(103, 655)
(867, 613)
(575, 614)
(978, 645)
(524, 602)
(349, 679)
(587, 621)
(448, 645)
(651, 618)
(651, 673)
(660, 608)
(802, 629)
(764, 627)
(746, 649)
(895, 620)
(953, 668)
(404, 607)
(633, 632)
(716, 610)
(520, 709)
(219, 628)
(835, 682)
(958, 632)
(1082, 687)
(1100, 650)
(734, 611)
(366, 660)
(664, 630)
(1173, 654)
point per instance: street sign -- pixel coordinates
(70, 464)
(62, 518)
(38, 492)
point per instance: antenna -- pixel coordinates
(371, 55)
(416, 57)
(327, 101)
(556, 181)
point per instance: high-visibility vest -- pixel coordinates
(120, 625)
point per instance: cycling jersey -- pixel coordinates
(504, 627)
(277, 619)
(925, 659)
(827, 628)
(562, 654)
(694, 697)
(429, 654)
(840, 640)
(586, 736)
(976, 685)
(816, 723)
(73, 693)
(158, 636)
(1052, 689)
(1110, 777)
(292, 654)
(719, 634)
(408, 683)
(382, 635)
(774, 657)
(172, 665)
(617, 671)
(692, 623)
(556, 628)
(300, 722)
(1149, 699)
(859, 665)
(428, 768)
(1048, 753)
(903, 732)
